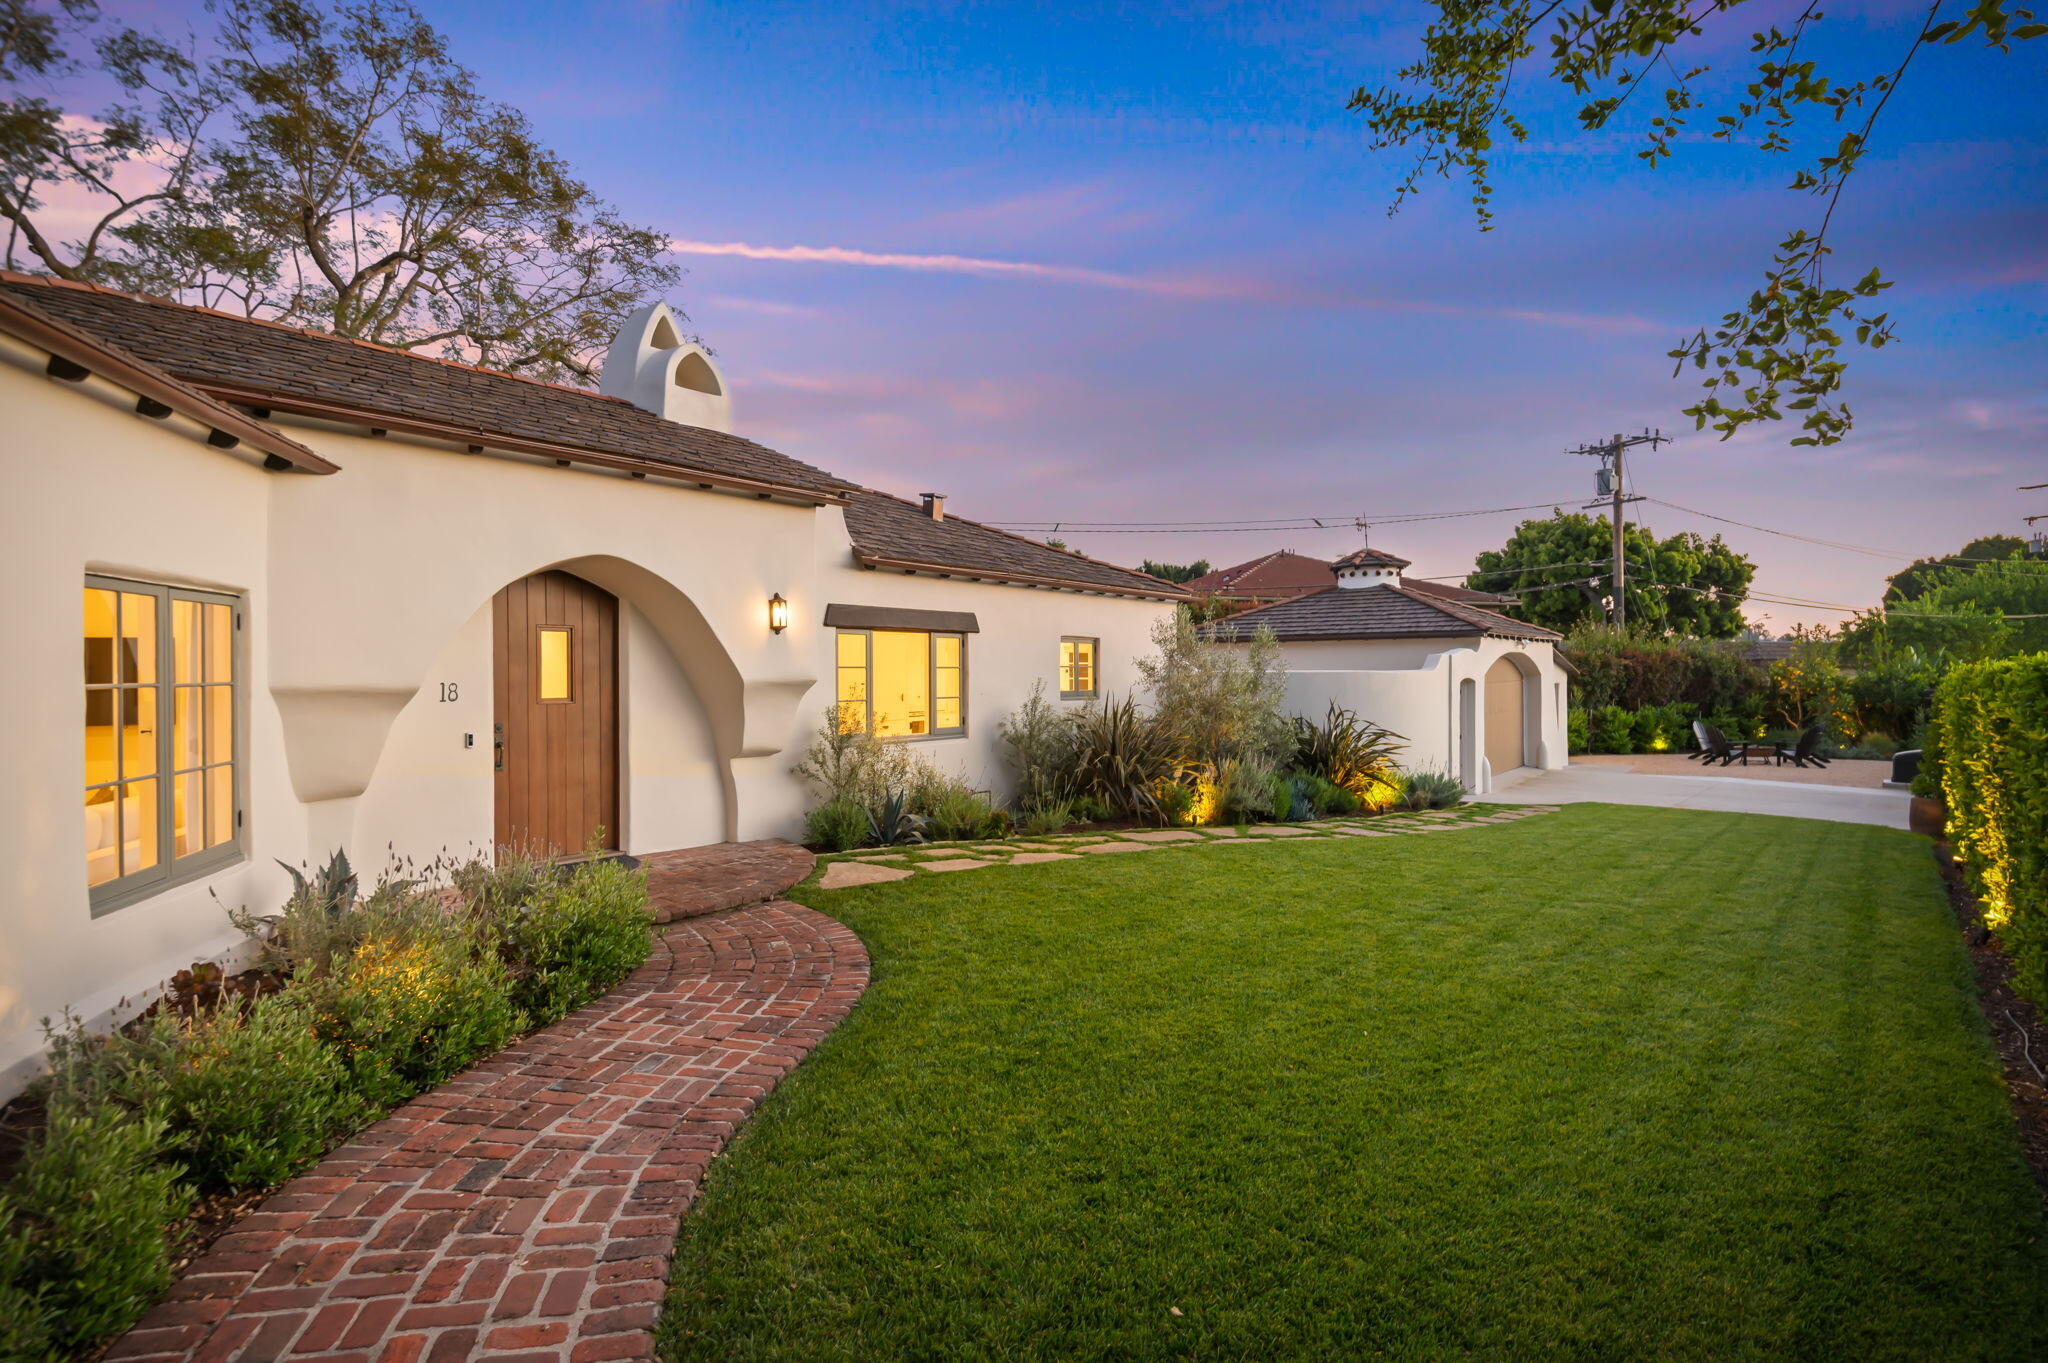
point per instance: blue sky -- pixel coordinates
(1220, 321)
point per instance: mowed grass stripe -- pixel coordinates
(1609, 1083)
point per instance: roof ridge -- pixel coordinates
(1025, 539)
(1462, 610)
(86, 286)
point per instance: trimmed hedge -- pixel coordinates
(1988, 751)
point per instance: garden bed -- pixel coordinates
(143, 1146)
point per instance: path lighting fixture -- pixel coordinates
(778, 613)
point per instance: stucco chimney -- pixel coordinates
(651, 366)
(934, 504)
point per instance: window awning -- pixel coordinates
(840, 615)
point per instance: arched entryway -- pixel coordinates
(1506, 707)
(555, 699)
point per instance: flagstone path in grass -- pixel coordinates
(871, 866)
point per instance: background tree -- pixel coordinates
(1176, 572)
(1681, 585)
(1911, 582)
(328, 166)
(1961, 613)
(1781, 350)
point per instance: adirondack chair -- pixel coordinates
(1804, 753)
(1714, 745)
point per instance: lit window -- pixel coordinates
(160, 735)
(554, 663)
(1077, 667)
(899, 683)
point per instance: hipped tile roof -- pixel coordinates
(1384, 611)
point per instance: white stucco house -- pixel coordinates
(328, 595)
(1469, 690)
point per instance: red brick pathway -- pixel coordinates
(528, 1208)
(722, 876)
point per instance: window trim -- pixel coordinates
(1094, 668)
(172, 870)
(931, 681)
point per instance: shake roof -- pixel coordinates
(214, 358)
(269, 365)
(1384, 611)
(888, 532)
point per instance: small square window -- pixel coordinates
(1078, 672)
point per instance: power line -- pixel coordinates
(1323, 522)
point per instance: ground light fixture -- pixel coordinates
(778, 613)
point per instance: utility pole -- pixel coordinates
(1610, 482)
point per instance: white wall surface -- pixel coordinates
(1420, 700)
(364, 592)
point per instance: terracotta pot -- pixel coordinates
(1928, 816)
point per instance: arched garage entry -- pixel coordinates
(1506, 711)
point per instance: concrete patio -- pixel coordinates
(1588, 782)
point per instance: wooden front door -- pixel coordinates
(555, 666)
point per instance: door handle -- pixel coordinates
(497, 747)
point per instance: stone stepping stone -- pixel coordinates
(954, 864)
(841, 874)
(1115, 847)
(1028, 858)
(1366, 832)
(1034, 846)
(1277, 830)
(1165, 835)
(1219, 832)
(882, 856)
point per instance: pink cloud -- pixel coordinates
(1189, 287)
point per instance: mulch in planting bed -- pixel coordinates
(2019, 1031)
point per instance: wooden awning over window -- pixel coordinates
(839, 615)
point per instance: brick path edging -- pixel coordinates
(528, 1208)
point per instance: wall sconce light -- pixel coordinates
(778, 613)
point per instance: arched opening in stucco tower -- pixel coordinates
(1509, 693)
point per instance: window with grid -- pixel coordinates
(899, 683)
(161, 742)
(1077, 667)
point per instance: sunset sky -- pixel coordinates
(1065, 266)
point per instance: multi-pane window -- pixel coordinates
(160, 734)
(1077, 667)
(899, 683)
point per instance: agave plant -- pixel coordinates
(891, 823)
(330, 890)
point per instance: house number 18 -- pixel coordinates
(450, 691)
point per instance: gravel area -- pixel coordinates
(1860, 775)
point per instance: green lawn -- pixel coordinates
(1608, 1083)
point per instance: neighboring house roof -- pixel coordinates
(1385, 611)
(1277, 576)
(888, 532)
(76, 355)
(267, 365)
(1765, 650)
